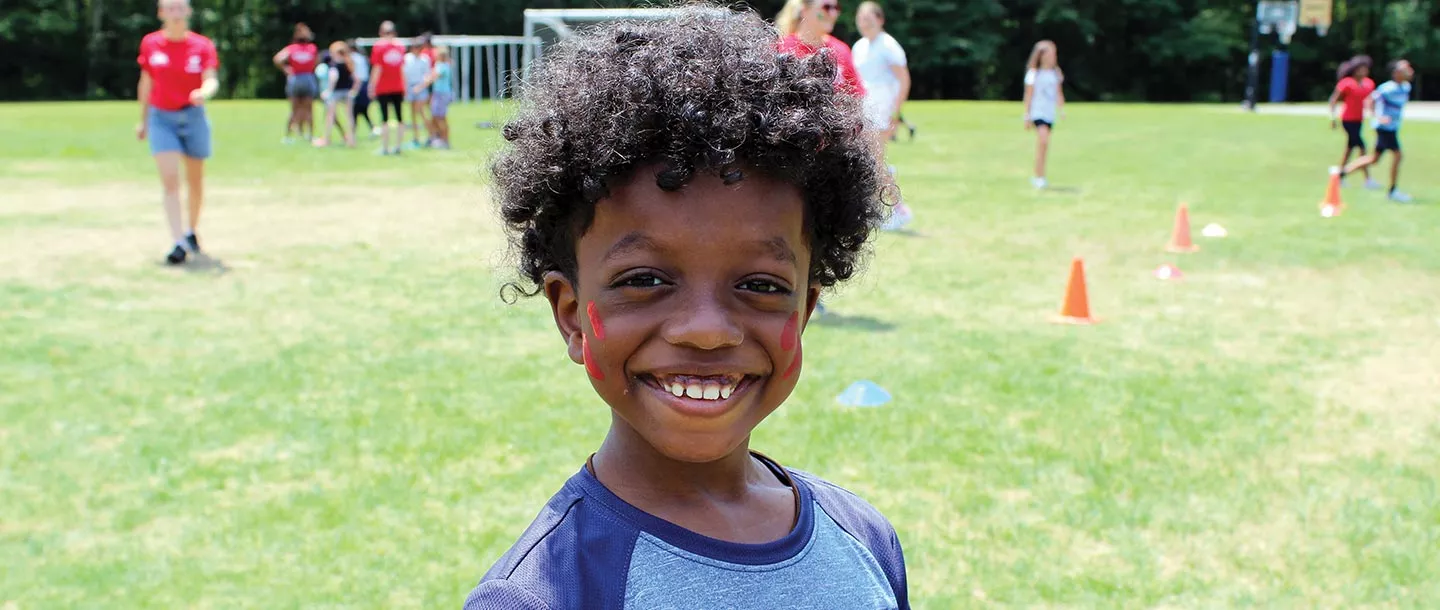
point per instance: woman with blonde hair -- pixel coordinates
(805, 27)
(1044, 101)
(341, 88)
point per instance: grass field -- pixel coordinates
(339, 411)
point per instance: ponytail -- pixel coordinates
(788, 20)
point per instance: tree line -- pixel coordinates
(1110, 50)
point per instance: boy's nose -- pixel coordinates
(704, 322)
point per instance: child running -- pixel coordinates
(681, 234)
(1044, 101)
(1353, 88)
(440, 97)
(1388, 102)
(177, 75)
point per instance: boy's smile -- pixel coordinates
(687, 308)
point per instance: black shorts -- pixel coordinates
(1352, 130)
(1039, 122)
(388, 100)
(1386, 140)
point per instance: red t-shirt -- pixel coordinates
(175, 67)
(428, 53)
(389, 56)
(846, 78)
(302, 57)
(1353, 94)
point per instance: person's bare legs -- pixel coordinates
(1363, 162)
(348, 106)
(195, 189)
(1394, 169)
(307, 117)
(329, 122)
(293, 123)
(168, 164)
(1042, 149)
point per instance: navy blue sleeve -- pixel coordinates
(502, 595)
(574, 555)
(861, 520)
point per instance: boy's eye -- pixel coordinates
(642, 280)
(763, 287)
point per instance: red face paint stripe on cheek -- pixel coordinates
(794, 364)
(595, 321)
(791, 335)
(590, 366)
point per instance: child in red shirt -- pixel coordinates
(1353, 88)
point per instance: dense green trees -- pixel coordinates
(1158, 50)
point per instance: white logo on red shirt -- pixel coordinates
(394, 57)
(159, 59)
(301, 57)
(193, 65)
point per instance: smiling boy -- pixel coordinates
(681, 193)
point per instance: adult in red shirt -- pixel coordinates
(805, 27)
(297, 60)
(387, 86)
(1353, 88)
(177, 76)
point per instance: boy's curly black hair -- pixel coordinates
(704, 91)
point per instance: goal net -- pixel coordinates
(546, 26)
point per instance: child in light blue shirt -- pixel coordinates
(1388, 104)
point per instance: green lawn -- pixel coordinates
(339, 411)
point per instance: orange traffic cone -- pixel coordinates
(1332, 205)
(1076, 309)
(1180, 237)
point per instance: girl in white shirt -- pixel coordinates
(1044, 101)
(885, 73)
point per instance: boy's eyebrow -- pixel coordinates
(631, 242)
(780, 248)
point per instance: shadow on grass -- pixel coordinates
(865, 323)
(1068, 190)
(200, 263)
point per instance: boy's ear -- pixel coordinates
(565, 304)
(812, 297)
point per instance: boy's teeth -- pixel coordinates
(700, 390)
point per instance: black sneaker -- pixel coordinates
(176, 256)
(193, 240)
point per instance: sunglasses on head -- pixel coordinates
(830, 7)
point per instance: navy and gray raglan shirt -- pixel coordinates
(590, 549)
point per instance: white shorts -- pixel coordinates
(878, 112)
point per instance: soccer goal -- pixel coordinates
(484, 66)
(546, 26)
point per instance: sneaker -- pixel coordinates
(287, 140)
(912, 133)
(176, 256)
(192, 240)
(1399, 197)
(375, 131)
(1371, 184)
(1038, 182)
